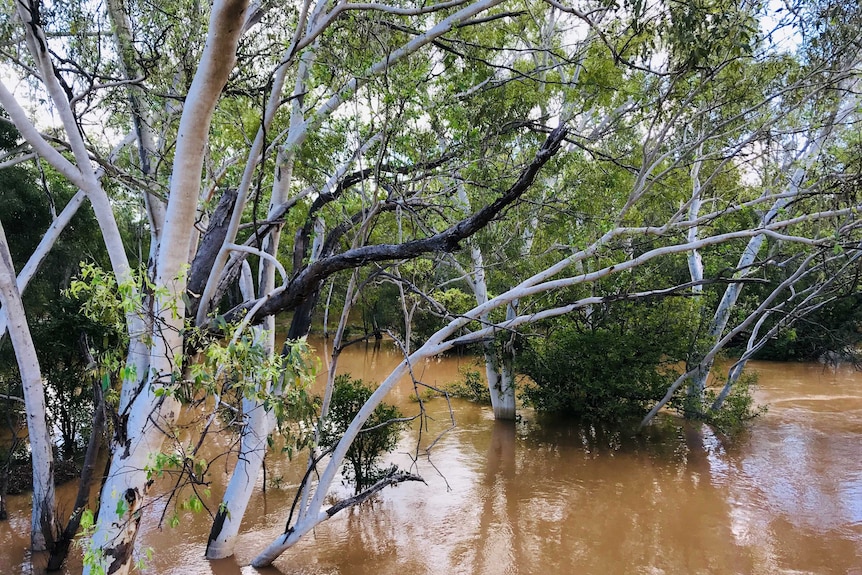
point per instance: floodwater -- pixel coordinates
(551, 498)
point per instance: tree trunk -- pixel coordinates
(500, 383)
(257, 425)
(153, 410)
(61, 549)
(225, 528)
(43, 525)
(503, 395)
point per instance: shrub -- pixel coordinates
(612, 369)
(377, 438)
(738, 408)
(472, 387)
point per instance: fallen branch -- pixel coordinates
(393, 478)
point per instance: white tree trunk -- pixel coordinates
(152, 412)
(44, 529)
(500, 380)
(695, 262)
(503, 394)
(749, 254)
(141, 120)
(695, 269)
(42, 250)
(258, 423)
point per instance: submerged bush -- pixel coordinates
(472, 387)
(379, 436)
(615, 367)
(738, 408)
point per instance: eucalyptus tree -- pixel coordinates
(637, 172)
(786, 162)
(43, 524)
(356, 126)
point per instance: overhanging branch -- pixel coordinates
(448, 240)
(393, 478)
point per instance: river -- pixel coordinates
(557, 499)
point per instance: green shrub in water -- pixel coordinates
(472, 387)
(362, 459)
(614, 366)
(738, 408)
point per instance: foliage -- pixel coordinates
(237, 371)
(454, 301)
(738, 408)
(378, 437)
(63, 336)
(472, 387)
(376, 115)
(833, 331)
(610, 370)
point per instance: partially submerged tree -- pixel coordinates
(378, 438)
(43, 524)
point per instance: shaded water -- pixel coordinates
(552, 498)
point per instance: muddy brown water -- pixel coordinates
(552, 498)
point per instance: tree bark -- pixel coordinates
(153, 410)
(43, 524)
(501, 390)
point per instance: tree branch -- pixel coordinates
(393, 478)
(446, 241)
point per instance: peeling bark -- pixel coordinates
(209, 247)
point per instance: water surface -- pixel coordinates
(550, 498)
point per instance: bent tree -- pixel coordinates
(615, 141)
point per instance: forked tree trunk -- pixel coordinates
(257, 425)
(153, 410)
(258, 422)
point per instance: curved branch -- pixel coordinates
(445, 241)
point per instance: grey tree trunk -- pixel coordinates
(43, 524)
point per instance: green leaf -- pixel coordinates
(87, 519)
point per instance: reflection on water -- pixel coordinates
(548, 497)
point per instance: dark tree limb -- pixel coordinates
(209, 248)
(304, 284)
(301, 244)
(393, 478)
